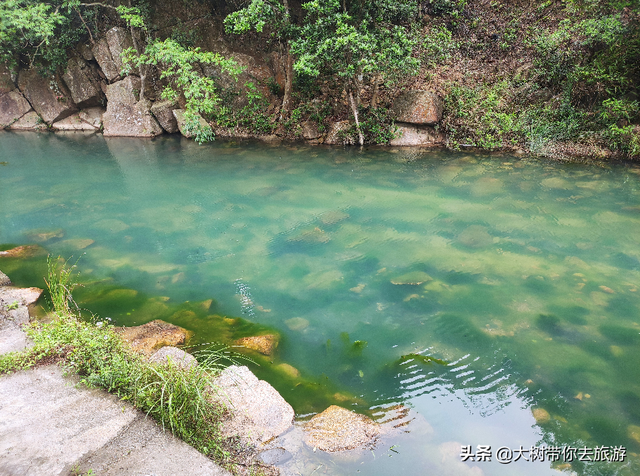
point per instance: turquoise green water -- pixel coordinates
(518, 277)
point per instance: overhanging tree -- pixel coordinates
(354, 41)
(275, 16)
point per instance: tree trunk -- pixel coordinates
(374, 97)
(288, 86)
(354, 109)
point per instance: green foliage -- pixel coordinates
(184, 401)
(487, 121)
(61, 281)
(257, 15)
(350, 45)
(180, 65)
(40, 31)
(377, 125)
(194, 127)
(438, 45)
(132, 16)
(447, 7)
(252, 116)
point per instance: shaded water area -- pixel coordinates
(462, 294)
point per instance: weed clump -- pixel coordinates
(182, 400)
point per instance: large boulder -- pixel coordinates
(6, 80)
(259, 413)
(152, 336)
(338, 429)
(174, 356)
(102, 55)
(338, 134)
(126, 116)
(83, 84)
(92, 116)
(418, 107)
(48, 96)
(410, 134)
(73, 123)
(163, 112)
(29, 122)
(13, 106)
(265, 344)
(118, 40)
(182, 123)
(4, 279)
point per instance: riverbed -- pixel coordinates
(481, 299)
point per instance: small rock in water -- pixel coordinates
(333, 217)
(289, 370)
(274, 456)
(311, 236)
(45, 235)
(152, 336)
(358, 288)
(22, 252)
(338, 429)
(264, 344)
(77, 243)
(541, 415)
(297, 323)
(475, 236)
(412, 278)
(607, 289)
(634, 433)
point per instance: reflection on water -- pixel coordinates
(454, 296)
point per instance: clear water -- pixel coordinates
(471, 289)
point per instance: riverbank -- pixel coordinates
(54, 424)
(228, 415)
(551, 79)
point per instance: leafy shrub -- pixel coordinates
(438, 45)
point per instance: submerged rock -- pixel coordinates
(153, 335)
(412, 278)
(264, 344)
(76, 243)
(311, 236)
(259, 413)
(288, 370)
(475, 236)
(338, 429)
(45, 235)
(541, 415)
(297, 323)
(22, 252)
(178, 357)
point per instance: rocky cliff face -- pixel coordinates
(93, 94)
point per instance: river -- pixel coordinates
(480, 299)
